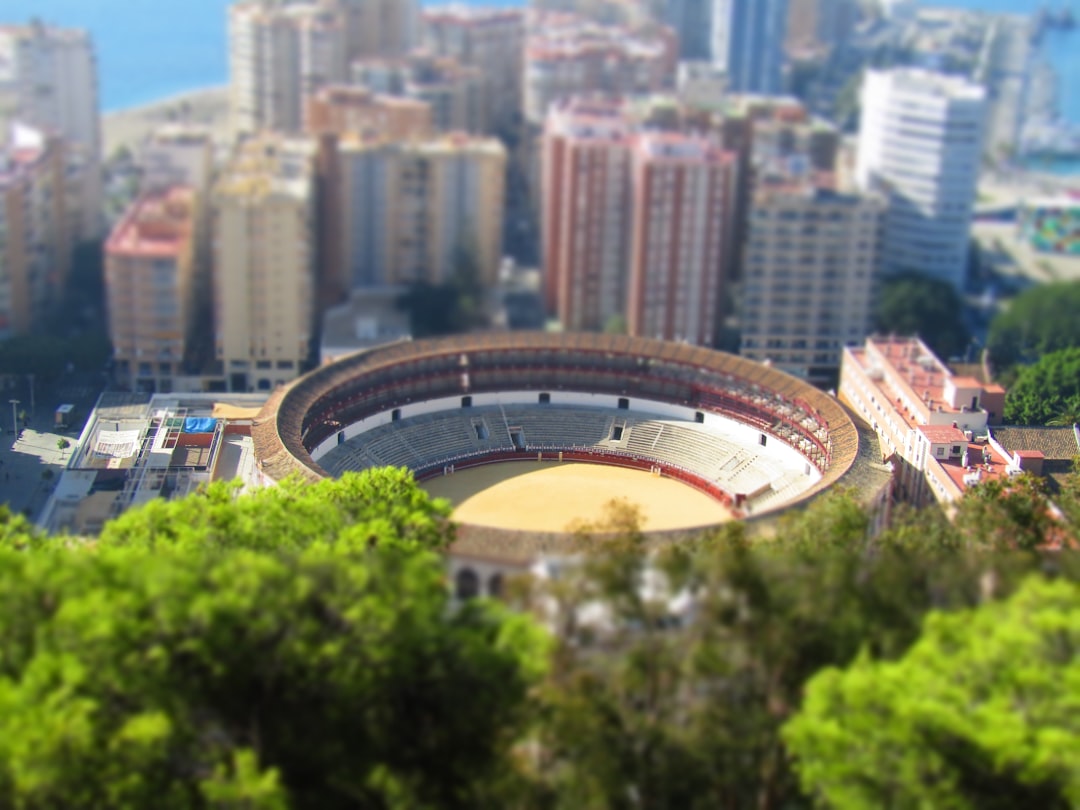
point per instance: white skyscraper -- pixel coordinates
(920, 143)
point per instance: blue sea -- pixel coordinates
(148, 50)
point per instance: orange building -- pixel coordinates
(150, 278)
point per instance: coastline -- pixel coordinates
(129, 127)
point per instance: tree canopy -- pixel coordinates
(1037, 322)
(914, 304)
(981, 713)
(1047, 391)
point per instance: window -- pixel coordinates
(624, 404)
(466, 402)
(699, 417)
(763, 439)
(544, 399)
(395, 415)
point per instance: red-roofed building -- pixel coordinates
(150, 269)
(931, 423)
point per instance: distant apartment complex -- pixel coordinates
(341, 109)
(931, 424)
(407, 209)
(920, 142)
(279, 56)
(178, 155)
(491, 41)
(566, 56)
(151, 273)
(452, 91)
(637, 225)
(35, 235)
(48, 79)
(816, 24)
(264, 262)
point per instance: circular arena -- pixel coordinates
(531, 433)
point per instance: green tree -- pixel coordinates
(181, 679)
(1048, 391)
(913, 304)
(1037, 322)
(380, 508)
(981, 713)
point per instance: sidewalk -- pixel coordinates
(24, 463)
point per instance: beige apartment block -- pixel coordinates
(379, 28)
(150, 278)
(408, 209)
(566, 55)
(492, 41)
(35, 241)
(264, 262)
(810, 265)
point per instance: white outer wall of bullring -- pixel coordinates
(745, 435)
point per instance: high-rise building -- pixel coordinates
(586, 198)
(566, 56)
(920, 142)
(264, 262)
(279, 57)
(150, 282)
(683, 200)
(493, 42)
(35, 241)
(810, 264)
(748, 42)
(637, 224)
(408, 210)
(340, 109)
(48, 79)
(378, 28)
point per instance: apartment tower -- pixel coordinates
(683, 204)
(408, 209)
(264, 262)
(48, 79)
(492, 41)
(920, 142)
(150, 282)
(35, 239)
(586, 211)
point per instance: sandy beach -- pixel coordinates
(208, 106)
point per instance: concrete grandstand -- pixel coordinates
(750, 436)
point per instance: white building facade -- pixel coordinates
(920, 143)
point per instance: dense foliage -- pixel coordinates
(297, 647)
(1039, 321)
(982, 712)
(1047, 391)
(913, 304)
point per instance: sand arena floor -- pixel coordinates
(553, 497)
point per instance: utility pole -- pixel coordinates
(32, 409)
(15, 416)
